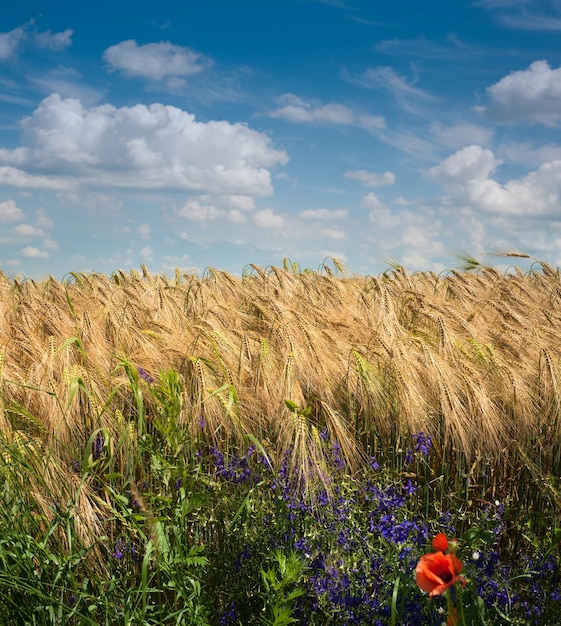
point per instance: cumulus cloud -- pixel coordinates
(372, 202)
(10, 212)
(324, 214)
(42, 219)
(470, 163)
(334, 233)
(295, 109)
(532, 95)
(26, 231)
(196, 211)
(50, 244)
(53, 41)
(15, 177)
(11, 41)
(467, 175)
(155, 61)
(146, 254)
(413, 236)
(70, 146)
(143, 231)
(15, 156)
(207, 208)
(239, 202)
(35, 253)
(268, 219)
(371, 179)
(93, 203)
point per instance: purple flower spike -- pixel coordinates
(145, 375)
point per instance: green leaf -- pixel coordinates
(291, 405)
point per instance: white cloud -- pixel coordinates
(26, 231)
(197, 212)
(139, 147)
(146, 254)
(334, 233)
(143, 231)
(10, 212)
(207, 208)
(469, 163)
(155, 61)
(423, 48)
(526, 154)
(372, 202)
(93, 203)
(324, 214)
(329, 114)
(239, 202)
(35, 253)
(15, 177)
(53, 41)
(533, 15)
(10, 41)
(233, 215)
(532, 95)
(42, 220)
(268, 219)
(412, 143)
(68, 83)
(532, 22)
(371, 179)
(50, 244)
(412, 237)
(16, 156)
(406, 95)
(388, 78)
(183, 263)
(401, 201)
(466, 174)
(295, 109)
(459, 135)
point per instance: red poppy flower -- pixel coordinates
(437, 572)
(440, 542)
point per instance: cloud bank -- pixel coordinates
(68, 145)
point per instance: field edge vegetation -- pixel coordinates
(125, 401)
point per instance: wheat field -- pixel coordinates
(471, 358)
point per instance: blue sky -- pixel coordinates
(193, 134)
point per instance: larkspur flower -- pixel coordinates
(98, 445)
(145, 375)
(119, 549)
(423, 443)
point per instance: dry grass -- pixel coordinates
(471, 358)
